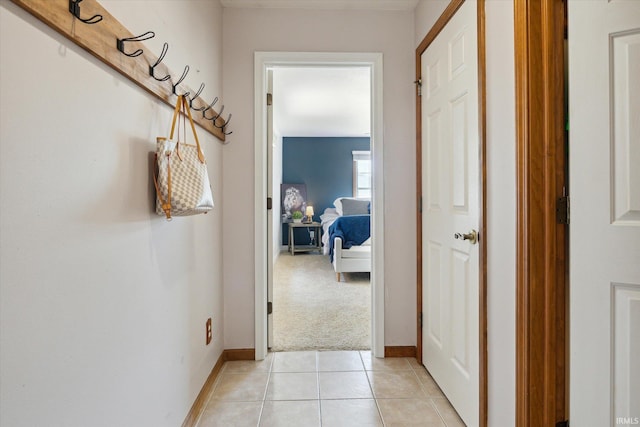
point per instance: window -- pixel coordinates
(361, 174)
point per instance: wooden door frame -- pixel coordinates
(541, 260)
(439, 25)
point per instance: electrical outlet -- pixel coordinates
(209, 332)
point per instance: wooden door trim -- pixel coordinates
(483, 359)
(541, 241)
(439, 25)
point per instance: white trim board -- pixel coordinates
(262, 62)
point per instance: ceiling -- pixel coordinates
(326, 101)
(324, 4)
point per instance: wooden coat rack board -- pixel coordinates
(100, 39)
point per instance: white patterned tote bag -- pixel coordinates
(182, 183)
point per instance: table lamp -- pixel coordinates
(308, 214)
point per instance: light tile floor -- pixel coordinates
(329, 389)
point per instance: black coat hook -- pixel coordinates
(74, 8)
(208, 107)
(195, 96)
(225, 125)
(226, 121)
(184, 75)
(142, 37)
(217, 117)
(165, 48)
(204, 112)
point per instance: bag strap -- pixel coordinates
(176, 112)
(182, 101)
(193, 127)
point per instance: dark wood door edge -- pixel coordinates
(483, 359)
(541, 241)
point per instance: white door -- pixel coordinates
(450, 185)
(604, 117)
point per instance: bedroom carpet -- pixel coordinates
(311, 311)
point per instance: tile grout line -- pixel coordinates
(375, 399)
(213, 389)
(431, 402)
(332, 368)
(266, 388)
(318, 387)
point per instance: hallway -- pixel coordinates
(333, 388)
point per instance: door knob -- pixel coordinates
(471, 236)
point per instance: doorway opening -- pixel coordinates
(265, 61)
(319, 168)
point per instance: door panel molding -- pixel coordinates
(541, 241)
(442, 21)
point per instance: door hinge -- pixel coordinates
(269, 307)
(562, 210)
(269, 99)
(418, 84)
(420, 204)
(420, 319)
(269, 203)
(562, 423)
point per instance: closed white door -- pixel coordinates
(604, 117)
(450, 185)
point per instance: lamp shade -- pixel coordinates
(309, 211)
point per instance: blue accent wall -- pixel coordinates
(325, 165)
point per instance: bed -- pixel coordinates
(346, 235)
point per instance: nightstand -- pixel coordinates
(311, 226)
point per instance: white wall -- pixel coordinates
(427, 13)
(102, 302)
(501, 199)
(250, 30)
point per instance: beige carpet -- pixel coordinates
(311, 311)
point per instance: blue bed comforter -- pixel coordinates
(352, 229)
